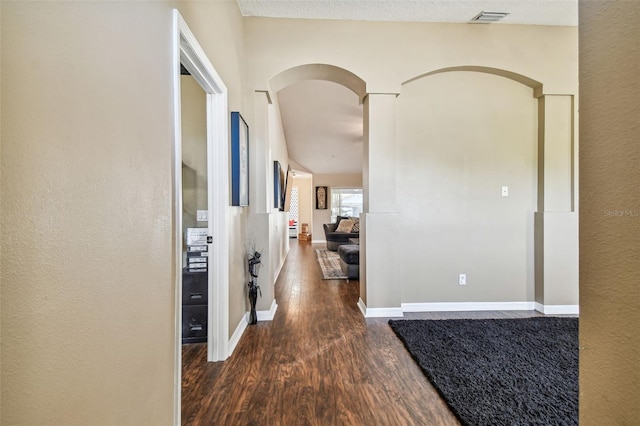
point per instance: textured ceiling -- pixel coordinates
(533, 12)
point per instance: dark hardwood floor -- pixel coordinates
(319, 362)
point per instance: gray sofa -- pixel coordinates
(336, 239)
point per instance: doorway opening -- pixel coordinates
(211, 218)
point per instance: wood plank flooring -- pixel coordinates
(319, 362)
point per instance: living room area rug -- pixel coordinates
(330, 264)
(499, 371)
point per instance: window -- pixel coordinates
(345, 202)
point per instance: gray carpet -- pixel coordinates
(500, 371)
(330, 264)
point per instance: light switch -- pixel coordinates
(505, 191)
(202, 215)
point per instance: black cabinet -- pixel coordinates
(194, 306)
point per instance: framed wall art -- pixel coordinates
(321, 197)
(278, 186)
(239, 160)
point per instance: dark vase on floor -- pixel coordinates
(253, 297)
(254, 264)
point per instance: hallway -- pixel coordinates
(319, 362)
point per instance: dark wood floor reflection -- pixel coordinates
(319, 362)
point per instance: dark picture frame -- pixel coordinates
(278, 186)
(321, 197)
(239, 160)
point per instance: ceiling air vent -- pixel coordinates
(487, 17)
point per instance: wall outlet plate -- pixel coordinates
(462, 279)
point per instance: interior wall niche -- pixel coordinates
(462, 137)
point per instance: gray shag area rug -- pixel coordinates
(330, 264)
(499, 371)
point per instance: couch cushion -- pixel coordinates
(339, 218)
(341, 237)
(345, 225)
(350, 253)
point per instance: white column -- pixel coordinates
(259, 155)
(379, 261)
(258, 219)
(556, 221)
(556, 153)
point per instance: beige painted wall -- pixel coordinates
(278, 220)
(320, 217)
(386, 55)
(87, 313)
(461, 137)
(1, 263)
(194, 149)
(609, 213)
(87, 289)
(268, 230)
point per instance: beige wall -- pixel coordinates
(1, 221)
(461, 137)
(320, 217)
(268, 227)
(194, 149)
(388, 57)
(279, 220)
(87, 285)
(87, 289)
(386, 54)
(609, 213)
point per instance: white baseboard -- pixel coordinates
(467, 306)
(378, 312)
(362, 306)
(279, 268)
(558, 309)
(318, 241)
(244, 322)
(237, 334)
(267, 315)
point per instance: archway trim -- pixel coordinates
(522, 79)
(319, 72)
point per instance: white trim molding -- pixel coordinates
(244, 322)
(187, 51)
(267, 315)
(362, 307)
(279, 268)
(558, 309)
(237, 334)
(318, 241)
(379, 312)
(467, 306)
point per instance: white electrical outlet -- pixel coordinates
(462, 279)
(505, 191)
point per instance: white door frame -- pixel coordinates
(187, 50)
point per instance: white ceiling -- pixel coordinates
(322, 120)
(322, 123)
